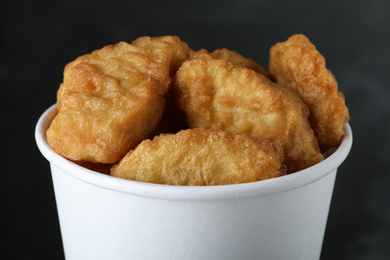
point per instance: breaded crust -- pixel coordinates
(219, 95)
(201, 157)
(112, 99)
(177, 49)
(233, 57)
(297, 65)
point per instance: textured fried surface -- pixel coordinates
(201, 157)
(216, 94)
(177, 49)
(233, 57)
(298, 65)
(109, 68)
(173, 119)
(110, 100)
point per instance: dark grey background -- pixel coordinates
(37, 39)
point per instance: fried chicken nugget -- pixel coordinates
(178, 50)
(216, 94)
(298, 65)
(233, 57)
(201, 157)
(110, 101)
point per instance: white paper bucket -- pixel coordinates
(104, 217)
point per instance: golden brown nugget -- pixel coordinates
(177, 49)
(201, 157)
(109, 102)
(232, 57)
(219, 95)
(102, 126)
(154, 56)
(298, 65)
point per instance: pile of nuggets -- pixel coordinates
(157, 111)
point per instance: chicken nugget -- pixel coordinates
(154, 56)
(109, 101)
(177, 49)
(201, 157)
(233, 57)
(297, 65)
(219, 95)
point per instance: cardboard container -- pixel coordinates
(103, 217)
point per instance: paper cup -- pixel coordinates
(104, 217)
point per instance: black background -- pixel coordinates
(39, 37)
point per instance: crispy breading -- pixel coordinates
(173, 119)
(216, 94)
(233, 57)
(297, 65)
(102, 126)
(97, 71)
(177, 49)
(201, 157)
(110, 100)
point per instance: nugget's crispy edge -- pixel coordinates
(219, 95)
(201, 157)
(102, 127)
(177, 49)
(112, 99)
(173, 119)
(233, 57)
(298, 65)
(118, 61)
